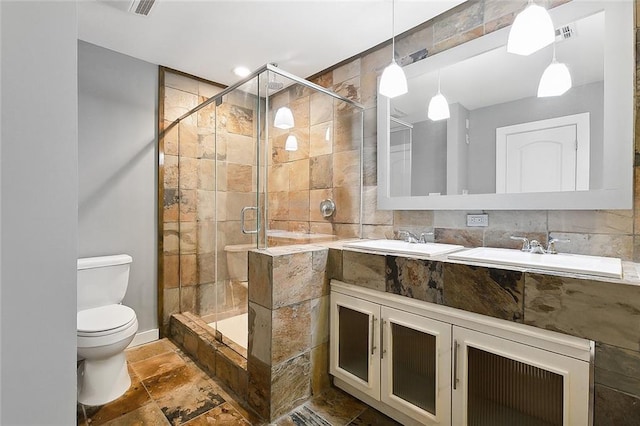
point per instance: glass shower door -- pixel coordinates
(238, 131)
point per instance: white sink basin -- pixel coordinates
(592, 265)
(402, 247)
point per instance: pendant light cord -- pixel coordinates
(393, 30)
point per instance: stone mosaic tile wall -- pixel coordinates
(608, 313)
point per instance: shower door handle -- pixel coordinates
(242, 215)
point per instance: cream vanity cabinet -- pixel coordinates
(395, 357)
(422, 363)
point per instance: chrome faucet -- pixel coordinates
(534, 246)
(551, 245)
(525, 242)
(410, 237)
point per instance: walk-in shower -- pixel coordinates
(254, 163)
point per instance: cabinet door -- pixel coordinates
(354, 343)
(500, 382)
(416, 366)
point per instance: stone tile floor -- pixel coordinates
(168, 388)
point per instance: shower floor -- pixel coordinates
(234, 328)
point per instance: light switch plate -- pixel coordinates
(477, 220)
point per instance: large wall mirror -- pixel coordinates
(503, 147)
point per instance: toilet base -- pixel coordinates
(102, 380)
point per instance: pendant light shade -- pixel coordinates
(291, 144)
(438, 108)
(393, 82)
(531, 31)
(283, 119)
(555, 80)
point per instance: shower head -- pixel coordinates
(273, 84)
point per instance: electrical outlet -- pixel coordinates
(477, 220)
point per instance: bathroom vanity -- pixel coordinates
(439, 340)
(422, 363)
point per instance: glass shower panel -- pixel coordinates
(236, 219)
(506, 392)
(314, 157)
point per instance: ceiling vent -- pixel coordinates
(566, 32)
(141, 7)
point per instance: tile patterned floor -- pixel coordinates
(168, 388)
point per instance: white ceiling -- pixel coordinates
(208, 38)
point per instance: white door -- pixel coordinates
(400, 162)
(354, 346)
(543, 156)
(416, 365)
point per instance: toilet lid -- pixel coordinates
(104, 318)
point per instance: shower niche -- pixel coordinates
(426, 364)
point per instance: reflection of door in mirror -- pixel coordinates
(401, 139)
(543, 156)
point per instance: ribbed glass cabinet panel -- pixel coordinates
(414, 367)
(354, 340)
(502, 391)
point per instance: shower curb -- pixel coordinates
(196, 338)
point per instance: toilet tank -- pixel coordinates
(102, 280)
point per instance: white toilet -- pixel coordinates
(105, 328)
(237, 262)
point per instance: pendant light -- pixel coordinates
(393, 81)
(438, 106)
(555, 80)
(291, 143)
(531, 30)
(283, 119)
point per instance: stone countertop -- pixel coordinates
(630, 270)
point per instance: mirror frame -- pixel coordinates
(619, 66)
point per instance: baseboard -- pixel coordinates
(145, 337)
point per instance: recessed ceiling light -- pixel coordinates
(241, 71)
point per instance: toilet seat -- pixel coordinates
(104, 320)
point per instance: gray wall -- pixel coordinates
(457, 150)
(117, 155)
(429, 157)
(484, 121)
(38, 198)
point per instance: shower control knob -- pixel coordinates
(327, 208)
